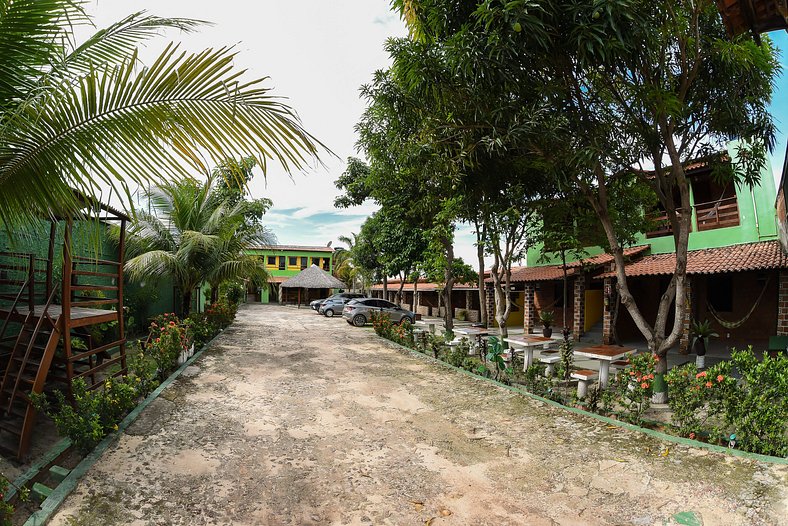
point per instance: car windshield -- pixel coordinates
(352, 302)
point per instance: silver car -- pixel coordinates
(332, 306)
(359, 312)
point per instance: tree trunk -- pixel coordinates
(399, 291)
(385, 287)
(566, 287)
(186, 304)
(214, 294)
(449, 279)
(482, 290)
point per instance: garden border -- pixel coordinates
(618, 423)
(51, 504)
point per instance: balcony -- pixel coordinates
(662, 225)
(717, 214)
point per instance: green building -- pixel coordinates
(736, 270)
(285, 261)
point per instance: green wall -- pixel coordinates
(757, 222)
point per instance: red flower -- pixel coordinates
(172, 324)
(701, 375)
(158, 340)
(720, 378)
(644, 385)
(708, 384)
(692, 436)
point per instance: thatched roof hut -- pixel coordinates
(313, 278)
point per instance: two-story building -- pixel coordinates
(285, 261)
(738, 277)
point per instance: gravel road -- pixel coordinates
(292, 418)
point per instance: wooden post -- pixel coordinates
(31, 282)
(299, 297)
(65, 317)
(121, 321)
(51, 255)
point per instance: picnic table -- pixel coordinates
(475, 331)
(605, 354)
(529, 343)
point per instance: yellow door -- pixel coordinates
(594, 306)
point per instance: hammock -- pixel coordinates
(738, 323)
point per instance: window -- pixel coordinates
(281, 262)
(272, 261)
(304, 263)
(719, 293)
(326, 264)
(316, 261)
(292, 261)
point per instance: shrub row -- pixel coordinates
(741, 403)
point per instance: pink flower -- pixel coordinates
(708, 385)
(644, 385)
(720, 378)
(692, 436)
(701, 375)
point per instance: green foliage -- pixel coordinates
(401, 334)
(220, 314)
(696, 397)
(167, 342)
(137, 300)
(458, 354)
(633, 387)
(494, 356)
(564, 367)
(702, 330)
(234, 292)
(546, 317)
(6, 509)
(94, 414)
(74, 110)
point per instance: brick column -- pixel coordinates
(684, 342)
(529, 309)
(782, 305)
(607, 313)
(579, 307)
(490, 297)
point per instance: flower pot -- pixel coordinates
(699, 347)
(547, 332)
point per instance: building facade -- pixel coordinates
(283, 262)
(737, 271)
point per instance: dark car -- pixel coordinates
(315, 305)
(359, 312)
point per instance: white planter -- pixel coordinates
(700, 362)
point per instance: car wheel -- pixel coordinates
(359, 320)
(406, 318)
(329, 313)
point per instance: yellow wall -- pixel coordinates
(594, 306)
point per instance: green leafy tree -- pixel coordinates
(191, 238)
(87, 114)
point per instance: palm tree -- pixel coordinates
(86, 115)
(191, 238)
(343, 261)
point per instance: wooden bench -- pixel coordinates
(584, 377)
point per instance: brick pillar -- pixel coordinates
(579, 307)
(684, 342)
(529, 309)
(490, 297)
(607, 313)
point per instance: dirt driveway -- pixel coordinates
(292, 418)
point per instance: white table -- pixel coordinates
(474, 331)
(430, 324)
(529, 343)
(605, 354)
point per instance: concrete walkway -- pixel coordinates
(296, 419)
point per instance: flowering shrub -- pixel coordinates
(402, 333)
(696, 397)
(6, 510)
(165, 344)
(631, 388)
(220, 314)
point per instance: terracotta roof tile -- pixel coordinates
(763, 255)
(555, 272)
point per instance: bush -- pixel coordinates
(165, 345)
(199, 330)
(696, 397)
(234, 292)
(458, 354)
(631, 389)
(6, 509)
(756, 407)
(221, 314)
(93, 414)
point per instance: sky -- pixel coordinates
(317, 54)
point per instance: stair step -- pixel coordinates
(8, 427)
(58, 473)
(40, 492)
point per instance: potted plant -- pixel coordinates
(701, 332)
(546, 317)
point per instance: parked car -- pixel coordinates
(359, 312)
(315, 305)
(332, 306)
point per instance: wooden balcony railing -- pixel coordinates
(662, 225)
(717, 214)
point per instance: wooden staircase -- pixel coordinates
(26, 373)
